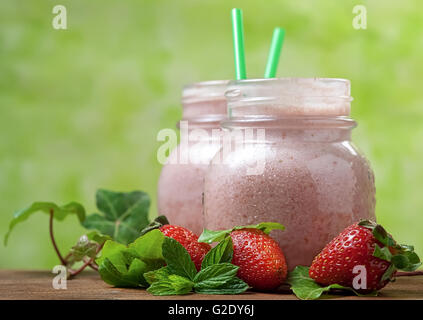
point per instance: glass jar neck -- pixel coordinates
(206, 111)
(317, 129)
(201, 123)
(204, 103)
(289, 98)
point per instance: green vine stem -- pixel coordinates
(64, 261)
(409, 274)
(87, 263)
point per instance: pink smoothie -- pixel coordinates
(314, 182)
(180, 188)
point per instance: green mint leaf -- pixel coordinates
(219, 279)
(233, 285)
(216, 273)
(179, 276)
(124, 214)
(155, 224)
(157, 275)
(223, 252)
(210, 236)
(59, 213)
(162, 282)
(178, 259)
(382, 253)
(172, 285)
(306, 288)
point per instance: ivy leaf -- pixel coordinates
(98, 237)
(113, 251)
(209, 236)
(125, 266)
(123, 216)
(59, 213)
(87, 246)
(83, 248)
(131, 276)
(306, 288)
(149, 249)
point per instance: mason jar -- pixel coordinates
(180, 186)
(296, 164)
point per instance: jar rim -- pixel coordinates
(328, 87)
(285, 79)
(204, 91)
(289, 96)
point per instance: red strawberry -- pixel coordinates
(260, 259)
(189, 241)
(362, 244)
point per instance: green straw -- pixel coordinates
(238, 38)
(274, 53)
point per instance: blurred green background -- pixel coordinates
(80, 108)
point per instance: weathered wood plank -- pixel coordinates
(27, 285)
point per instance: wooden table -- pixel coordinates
(37, 285)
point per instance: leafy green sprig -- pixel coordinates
(123, 216)
(305, 288)
(179, 276)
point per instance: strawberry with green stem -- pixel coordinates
(363, 244)
(260, 260)
(185, 237)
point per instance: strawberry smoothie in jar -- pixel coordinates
(296, 166)
(180, 187)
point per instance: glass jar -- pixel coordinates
(308, 174)
(180, 187)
